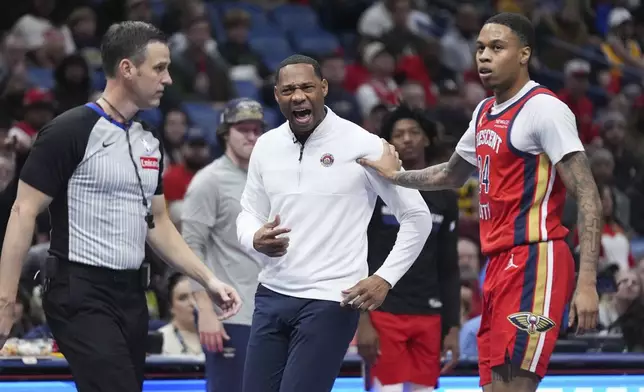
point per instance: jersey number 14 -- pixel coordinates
(484, 174)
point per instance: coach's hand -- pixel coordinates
(584, 308)
(225, 297)
(211, 331)
(7, 314)
(367, 294)
(266, 239)
(368, 340)
(388, 164)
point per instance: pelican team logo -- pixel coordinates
(531, 323)
(326, 160)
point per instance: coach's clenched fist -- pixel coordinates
(266, 239)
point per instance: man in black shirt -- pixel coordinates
(401, 341)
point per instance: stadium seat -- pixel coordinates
(41, 77)
(315, 42)
(153, 117)
(216, 25)
(203, 115)
(247, 89)
(266, 30)
(271, 49)
(292, 17)
(158, 8)
(273, 118)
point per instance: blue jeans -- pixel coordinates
(296, 344)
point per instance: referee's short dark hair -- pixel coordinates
(519, 24)
(299, 59)
(127, 40)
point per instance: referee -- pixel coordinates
(99, 172)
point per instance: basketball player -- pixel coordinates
(524, 142)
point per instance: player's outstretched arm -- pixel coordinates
(578, 179)
(447, 175)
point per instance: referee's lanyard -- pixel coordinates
(184, 348)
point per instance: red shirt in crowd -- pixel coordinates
(175, 182)
(583, 110)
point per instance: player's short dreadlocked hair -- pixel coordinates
(519, 24)
(405, 112)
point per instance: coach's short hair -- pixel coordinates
(127, 40)
(519, 24)
(300, 59)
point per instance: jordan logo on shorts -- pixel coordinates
(531, 323)
(511, 263)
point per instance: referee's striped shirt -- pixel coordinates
(81, 160)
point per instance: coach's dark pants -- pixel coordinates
(225, 371)
(296, 344)
(99, 318)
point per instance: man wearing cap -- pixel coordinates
(381, 88)
(38, 111)
(576, 72)
(210, 209)
(195, 154)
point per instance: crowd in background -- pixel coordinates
(373, 54)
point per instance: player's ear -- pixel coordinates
(525, 55)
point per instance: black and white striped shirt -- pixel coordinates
(81, 160)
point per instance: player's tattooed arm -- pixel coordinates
(578, 179)
(446, 175)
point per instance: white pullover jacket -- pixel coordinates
(327, 199)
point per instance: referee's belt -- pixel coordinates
(130, 277)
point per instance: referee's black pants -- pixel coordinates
(99, 319)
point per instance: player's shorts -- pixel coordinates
(525, 292)
(410, 348)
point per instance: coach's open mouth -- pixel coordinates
(302, 116)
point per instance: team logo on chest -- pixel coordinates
(327, 160)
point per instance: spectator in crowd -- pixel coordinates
(612, 306)
(246, 63)
(373, 121)
(82, 24)
(175, 126)
(621, 48)
(140, 10)
(44, 36)
(381, 88)
(12, 53)
(197, 74)
(567, 25)
(613, 134)
(413, 94)
(38, 110)
(339, 99)
(73, 85)
(186, 14)
(381, 17)
(469, 261)
(602, 165)
(180, 335)
(574, 94)
(458, 43)
(195, 154)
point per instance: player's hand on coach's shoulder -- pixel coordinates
(367, 294)
(388, 164)
(225, 297)
(269, 239)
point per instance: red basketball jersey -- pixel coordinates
(521, 198)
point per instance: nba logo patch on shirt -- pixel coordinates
(150, 163)
(326, 160)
